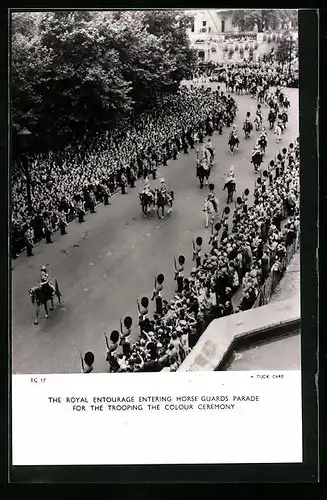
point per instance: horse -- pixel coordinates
(203, 172)
(211, 158)
(146, 202)
(285, 119)
(263, 144)
(278, 132)
(233, 141)
(231, 188)
(161, 200)
(271, 119)
(210, 212)
(247, 127)
(257, 160)
(41, 295)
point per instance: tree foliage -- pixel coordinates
(247, 19)
(73, 71)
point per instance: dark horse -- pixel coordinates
(162, 200)
(256, 160)
(231, 188)
(233, 141)
(146, 202)
(41, 295)
(203, 173)
(247, 127)
(263, 144)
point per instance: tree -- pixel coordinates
(246, 19)
(78, 71)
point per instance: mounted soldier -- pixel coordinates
(230, 184)
(233, 139)
(247, 126)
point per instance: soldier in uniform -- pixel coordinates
(92, 202)
(179, 273)
(133, 176)
(112, 347)
(87, 366)
(63, 223)
(29, 240)
(213, 198)
(81, 210)
(215, 234)
(123, 183)
(47, 230)
(157, 293)
(125, 335)
(143, 311)
(197, 251)
(44, 279)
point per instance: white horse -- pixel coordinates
(278, 132)
(210, 213)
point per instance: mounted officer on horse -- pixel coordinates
(44, 292)
(163, 198)
(146, 197)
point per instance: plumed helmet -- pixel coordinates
(162, 179)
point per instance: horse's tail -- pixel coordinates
(57, 287)
(172, 195)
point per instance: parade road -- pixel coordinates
(105, 264)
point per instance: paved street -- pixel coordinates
(105, 264)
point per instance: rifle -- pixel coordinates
(138, 305)
(82, 362)
(193, 245)
(107, 343)
(176, 273)
(155, 286)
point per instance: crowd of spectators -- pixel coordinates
(245, 250)
(69, 182)
(275, 73)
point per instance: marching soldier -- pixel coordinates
(157, 293)
(179, 273)
(29, 240)
(87, 363)
(245, 197)
(213, 198)
(197, 247)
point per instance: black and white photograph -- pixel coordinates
(155, 220)
(158, 227)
